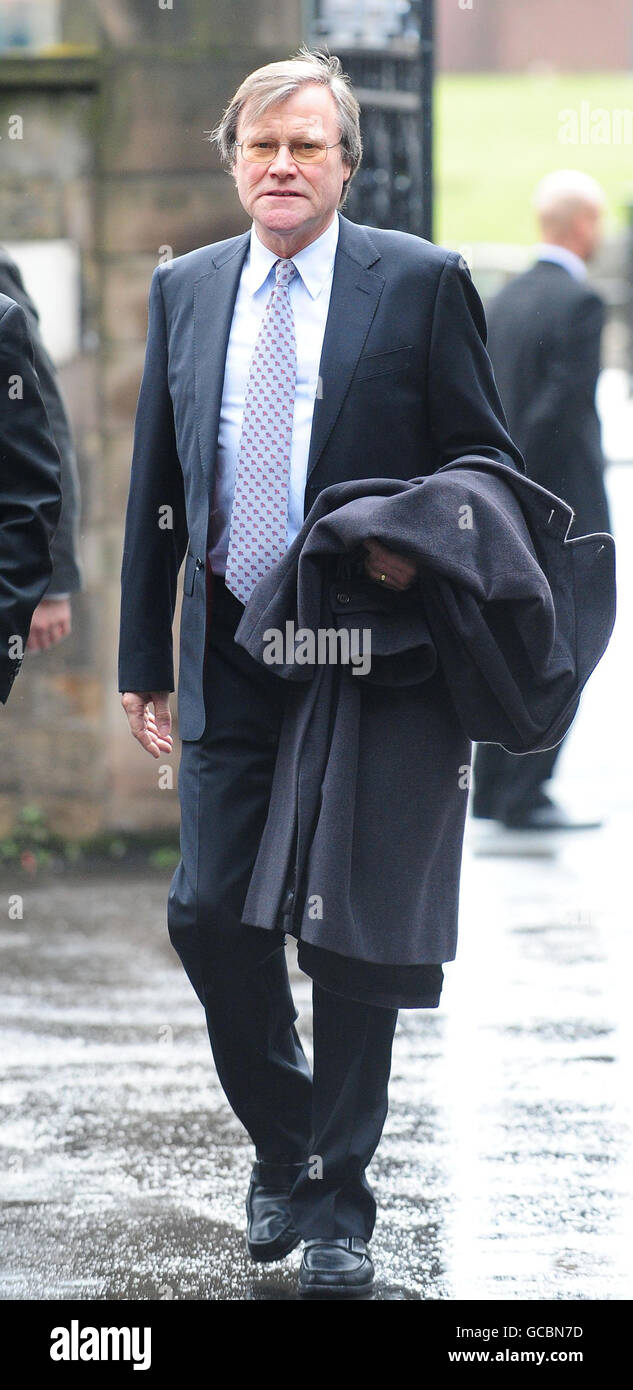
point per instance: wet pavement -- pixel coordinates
(505, 1170)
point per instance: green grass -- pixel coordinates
(495, 136)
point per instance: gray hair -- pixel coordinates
(275, 83)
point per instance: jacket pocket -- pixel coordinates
(379, 363)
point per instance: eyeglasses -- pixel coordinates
(303, 151)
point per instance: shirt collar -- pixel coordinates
(549, 251)
(314, 263)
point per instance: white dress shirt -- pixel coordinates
(549, 251)
(309, 293)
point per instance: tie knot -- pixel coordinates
(284, 271)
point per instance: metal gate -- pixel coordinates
(386, 47)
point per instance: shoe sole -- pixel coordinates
(339, 1290)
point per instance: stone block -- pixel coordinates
(116, 465)
(121, 372)
(156, 112)
(57, 137)
(124, 298)
(31, 208)
(130, 24)
(178, 211)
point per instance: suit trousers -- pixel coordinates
(330, 1121)
(510, 784)
(507, 785)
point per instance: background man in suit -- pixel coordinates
(544, 331)
(30, 493)
(304, 352)
(52, 618)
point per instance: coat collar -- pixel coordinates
(356, 289)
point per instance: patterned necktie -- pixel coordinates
(259, 516)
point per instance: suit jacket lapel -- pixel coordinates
(214, 298)
(356, 291)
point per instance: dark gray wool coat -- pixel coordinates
(361, 851)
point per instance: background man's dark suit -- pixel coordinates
(66, 573)
(30, 494)
(406, 385)
(544, 331)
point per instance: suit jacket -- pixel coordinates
(361, 849)
(30, 492)
(407, 386)
(66, 574)
(544, 331)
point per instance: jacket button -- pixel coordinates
(199, 563)
(343, 598)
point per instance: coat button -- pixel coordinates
(343, 598)
(199, 563)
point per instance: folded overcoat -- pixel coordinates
(361, 850)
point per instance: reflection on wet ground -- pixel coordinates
(505, 1166)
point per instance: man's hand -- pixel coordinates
(49, 624)
(400, 571)
(151, 729)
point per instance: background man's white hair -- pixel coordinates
(560, 194)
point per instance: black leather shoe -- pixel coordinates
(270, 1233)
(548, 816)
(338, 1268)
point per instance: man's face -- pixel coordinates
(287, 200)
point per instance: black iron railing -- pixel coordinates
(386, 46)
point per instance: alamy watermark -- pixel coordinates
(595, 125)
(323, 646)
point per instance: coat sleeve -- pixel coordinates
(30, 493)
(465, 413)
(155, 526)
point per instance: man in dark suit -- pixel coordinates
(52, 619)
(544, 331)
(30, 492)
(304, 352)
